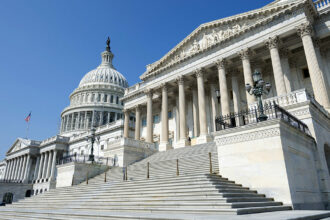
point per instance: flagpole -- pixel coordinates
(27, 129)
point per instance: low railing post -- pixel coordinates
(126, 174)
(87, 177)
(177, 167)
(105, 176)
(148, 170)
(210, 159)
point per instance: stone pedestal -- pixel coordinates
(202, 139)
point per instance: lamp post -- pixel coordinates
(92, 137)
(259, 88)
(217, 92)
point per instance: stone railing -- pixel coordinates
(56, 138)
(321, 4)
(134, 87)
(140, 144)
(110, 125)
(298, 96)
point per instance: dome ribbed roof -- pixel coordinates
(105, 73)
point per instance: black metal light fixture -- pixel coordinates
(259, 88)
(92, 138)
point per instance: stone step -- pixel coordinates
(133, 205)
(151, 199)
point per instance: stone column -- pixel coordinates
(317, 78)
(224, 95)
(177, 120)
(7, 169)
(10, 174)
(164, 144)
(44, 168)
(204, 136)
(272, 44)
(27, 169)
(14, 169)
(18, 170)
(23, 167)
(35, 175)
(182, 113)
(286, 70)
(195, 113)
(41, 166)
(108, 119)
(101, 118)
(52, 172)
(86, 120)
(236, 97)
(126, 123)
(149, 117)
(93, 118)
(137, 122)
(49, 166)
(214, 102)
(244, 55)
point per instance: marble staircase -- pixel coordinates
(194, 191)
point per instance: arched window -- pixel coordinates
(327, 155)
(8, 198)
(28, 193)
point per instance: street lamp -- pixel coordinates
(259, 88)
(92, 138)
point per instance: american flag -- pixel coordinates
(27, 119)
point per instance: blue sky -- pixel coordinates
(46, 47)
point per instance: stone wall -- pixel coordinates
(273, 158)
(17, 189)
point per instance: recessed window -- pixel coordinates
(102, 147)
(82, 152)
(111, 99)
(117, 100)
(156, 119)
(170, 115)
(99, 98)
(105, 98)
(93, 97)
(144, 122)
(305, 72)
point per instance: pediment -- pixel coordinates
(19, 144)
(214, 33)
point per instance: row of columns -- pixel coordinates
(45, 166)
(18, 169)
(94, 97)
(84, 120)
(281, 77)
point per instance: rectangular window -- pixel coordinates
(93, 97)
(305, 73)
(111, 99)
(170, 115)
(102, 147)
(99, 98)
(144, 122)
(156, 119)
(105, 98)
(117, 100)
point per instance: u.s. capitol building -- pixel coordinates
(247, 95)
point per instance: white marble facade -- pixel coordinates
(176, 103)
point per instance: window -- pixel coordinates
(117, 100)
(105, 98)
(156, 119)
(82, 152)
(93, 97)
(102, 147)
(305, 73)
(122, 103)
(144, 122)
(170, 115)
(99, 98)
(111, 99)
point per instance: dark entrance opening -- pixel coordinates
(28, 193)
(7, 198)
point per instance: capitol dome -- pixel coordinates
(97, 100)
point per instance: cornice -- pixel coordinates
(281, 9)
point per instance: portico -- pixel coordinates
(185, 81)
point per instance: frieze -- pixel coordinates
(207, 36)
(261, 134)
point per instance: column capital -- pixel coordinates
(164, 86)
(126, 111)
(272, 42)
(199, 72)
(244, 54)
(304, 29)
(180, 80)
(148, 92)
(221, 63)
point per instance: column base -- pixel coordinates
(182, 143)
(202, 139)
(165, 146)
